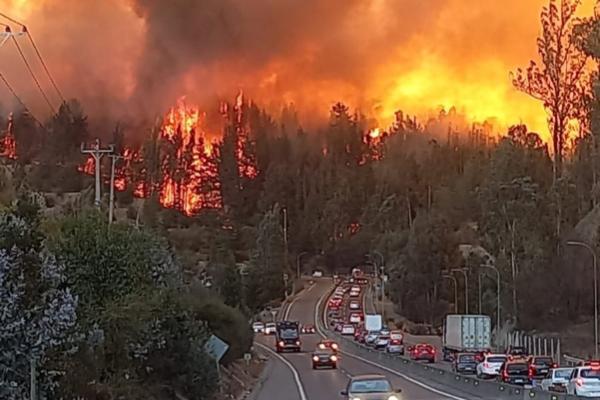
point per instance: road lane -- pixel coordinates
(327, 384)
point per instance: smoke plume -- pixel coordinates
(134, 58)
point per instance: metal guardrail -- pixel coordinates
(572, 361)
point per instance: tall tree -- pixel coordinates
(561, 79)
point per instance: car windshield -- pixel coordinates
(497, 359)
(563, 373)
(518, 369)
(288, 333)
(517, 351)
(370, 386)
(258, 324)
(270, 325)
(542, 361)
(590, 373)
(466, 358)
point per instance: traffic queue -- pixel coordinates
(513, 366)
(346, 315)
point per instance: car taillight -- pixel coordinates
(333, 358)
(504, 374)
(555, 365)
(315, 358)
(531, 372)
(579, 382)
(281, 344)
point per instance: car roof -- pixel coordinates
(326, 350)
(496, 355)
(367, 377)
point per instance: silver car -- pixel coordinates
(370, 387)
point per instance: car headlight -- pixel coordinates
(315, 358)
(281, 344)
(392, 397)
(356, 398)
(321, 346)
(334, 346)
(333, 358)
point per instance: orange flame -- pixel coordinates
(8, 145)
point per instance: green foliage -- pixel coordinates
(104, 265)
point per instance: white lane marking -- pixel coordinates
(288, 310)
(401, 375)
(294, 371)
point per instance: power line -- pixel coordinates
(9, 87)
(33, 75)
(14, 21)
(44, 65)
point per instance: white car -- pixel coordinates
(354, 293)
(490, 366)
(317, 274)
(557, 379)
(270, 328)
(355, 318)
(382, 342)
(396, 344)
(584, 382)
(258, 327)
(354, 305)
(348, 329)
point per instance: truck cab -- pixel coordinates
(287, 337)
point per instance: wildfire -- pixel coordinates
(187, 178)
(8, 145)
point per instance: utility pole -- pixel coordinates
(285, 239)
(32, 380)
(453, 279)
(7, 34)
(111, 201)
(97, 153)
(464, 272)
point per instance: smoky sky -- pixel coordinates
(323, 39)
(135, 58)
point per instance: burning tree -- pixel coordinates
(561, 78)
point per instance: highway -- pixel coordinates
(291, 375)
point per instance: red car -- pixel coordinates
(422, 351)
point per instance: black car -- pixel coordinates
(539, 366)
(515, 372)
(465, 363)
(324, 358)
(514, 352)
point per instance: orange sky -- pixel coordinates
(122, 56)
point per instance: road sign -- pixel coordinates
(247, 358)
(286, 277)
(273, 314)
(215, 347)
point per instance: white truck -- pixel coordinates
(466, 334)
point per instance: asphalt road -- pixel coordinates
(286, 377)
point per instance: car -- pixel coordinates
(382, 342)
(347, 329)
(258, 327)
(367, 387)
(354, 293)
(516, 352)
(539, 366)
(584, 381)
(422, 351)
(308, 329)
(396, 343)
(324, 358)
(385, 331)
(328, 344)
(557, 380)
(354, 305)
(317, 274)
(270, 328)
(355, 318)
(370, 337)
(515, 372)
(359, 335)
(287, 336)
(490, 366)
(464, 363)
